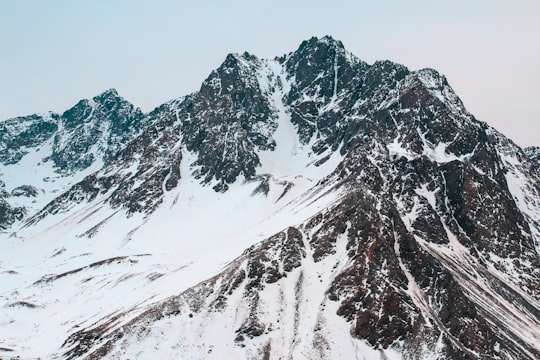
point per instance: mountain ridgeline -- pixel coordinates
(402, 227)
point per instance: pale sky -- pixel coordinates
(53, 53)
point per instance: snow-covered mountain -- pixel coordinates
(43, 155)
(311, 206)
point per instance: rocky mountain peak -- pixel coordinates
(233, 77)
(94, 130)
(316, 55)
(107, 94)
(235, 59)
(324, 43)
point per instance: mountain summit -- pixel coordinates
(312, 206)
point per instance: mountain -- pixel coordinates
(311, 206)
(46, 154)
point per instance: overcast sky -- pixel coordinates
(53, 53)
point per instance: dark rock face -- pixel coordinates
(227, 120)
(95, 130)
(533, 152)
(19, 134)
(328, 82)
(430, 249)
(9, 214)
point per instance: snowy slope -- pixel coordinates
(193, 237)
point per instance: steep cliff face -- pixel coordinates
(309, 206)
